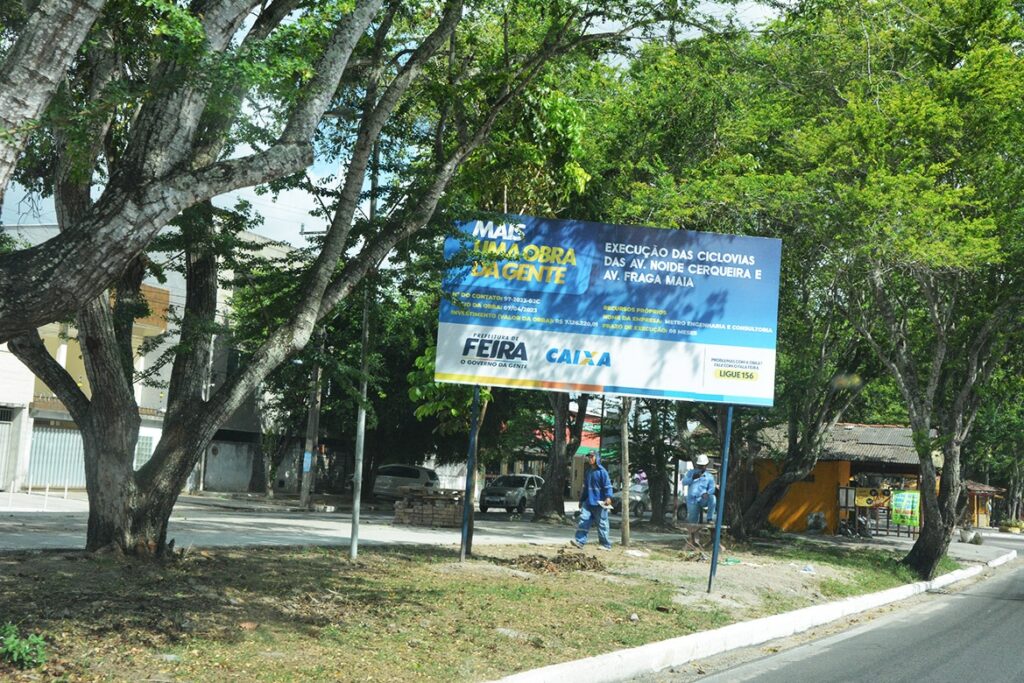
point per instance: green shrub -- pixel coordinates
(24, 653)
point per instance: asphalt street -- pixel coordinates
(949, 636)
(26, 525)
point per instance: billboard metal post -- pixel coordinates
(467, 502)
(721, 497)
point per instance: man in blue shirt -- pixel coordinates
(700, 494)
(595, 501)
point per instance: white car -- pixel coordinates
(514, 492)
(390, 479)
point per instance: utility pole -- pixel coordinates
(312, 431)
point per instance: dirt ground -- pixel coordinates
(747, 582)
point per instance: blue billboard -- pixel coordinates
(580, 306)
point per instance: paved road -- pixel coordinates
(25, 526)
(971, 635)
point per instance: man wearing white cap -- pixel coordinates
(700, 494)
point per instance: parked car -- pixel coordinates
(512, 492)
(639, 501)
(390, 479)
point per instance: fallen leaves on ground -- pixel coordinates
(563, 561)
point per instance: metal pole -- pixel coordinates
(721, 497)
(312, 431)
(467, 502)
(364, 364)
(675, 493)
(357, 474)
(202, 468)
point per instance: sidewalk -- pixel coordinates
(963, 552)
(290, 502)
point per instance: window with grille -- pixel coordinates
(143, 451)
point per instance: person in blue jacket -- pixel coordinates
(595, 501)
(700, 494)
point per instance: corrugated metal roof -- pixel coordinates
(978, 487)
(870, 443)
(859, 443)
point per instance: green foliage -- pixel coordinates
(175, 22)
(450, 403)
(7, 243)
(997, 440)
(24, 653)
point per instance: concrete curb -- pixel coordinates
(653, 657)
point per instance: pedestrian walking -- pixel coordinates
(595, 501)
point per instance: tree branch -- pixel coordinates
(31, 351)
(190, 372)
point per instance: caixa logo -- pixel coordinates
(578, 357)
(498, 349)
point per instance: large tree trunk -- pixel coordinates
(550, 500)
(108, 440)
(129, 510)
(568, 432)
(755, 518)
(938, 511)
(657, 477)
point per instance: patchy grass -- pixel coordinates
(308, 614)
(868, 571)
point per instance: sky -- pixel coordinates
(283, 218)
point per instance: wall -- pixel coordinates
(228, 466)
(805, 497)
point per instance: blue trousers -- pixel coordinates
(693, 510)
(587, 515)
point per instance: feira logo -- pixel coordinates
(502, 231)
(579, 357)
(499, 349)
